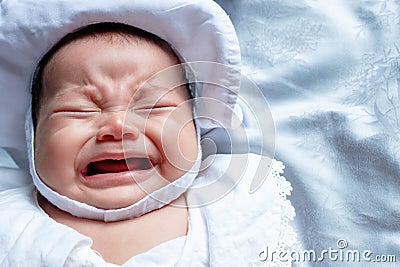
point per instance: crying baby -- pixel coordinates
(107, 138)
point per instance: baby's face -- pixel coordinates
(97, 110)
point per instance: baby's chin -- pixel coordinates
(111, 198)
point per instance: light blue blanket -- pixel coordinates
(330, 70)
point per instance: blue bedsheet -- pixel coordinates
(330, 70)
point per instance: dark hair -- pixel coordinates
(122, 31)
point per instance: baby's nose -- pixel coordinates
(113, 128)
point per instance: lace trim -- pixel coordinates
(287, 234)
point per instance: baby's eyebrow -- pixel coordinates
(152, 95)
(75, 91)
(151, 90)
(64, 92)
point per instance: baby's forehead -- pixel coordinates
(115, 39)
(115, 34)
(112, 38)
(90, 67)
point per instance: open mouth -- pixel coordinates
(117, 166)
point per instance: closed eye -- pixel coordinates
(149, 108)
(163, 107)
(77, 113)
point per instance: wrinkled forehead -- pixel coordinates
(97, 67)
(90, 42)
(112, 34)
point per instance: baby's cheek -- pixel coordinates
(180, 144)
(56, 149)
(188, 143)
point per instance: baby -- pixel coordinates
(100, 132)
